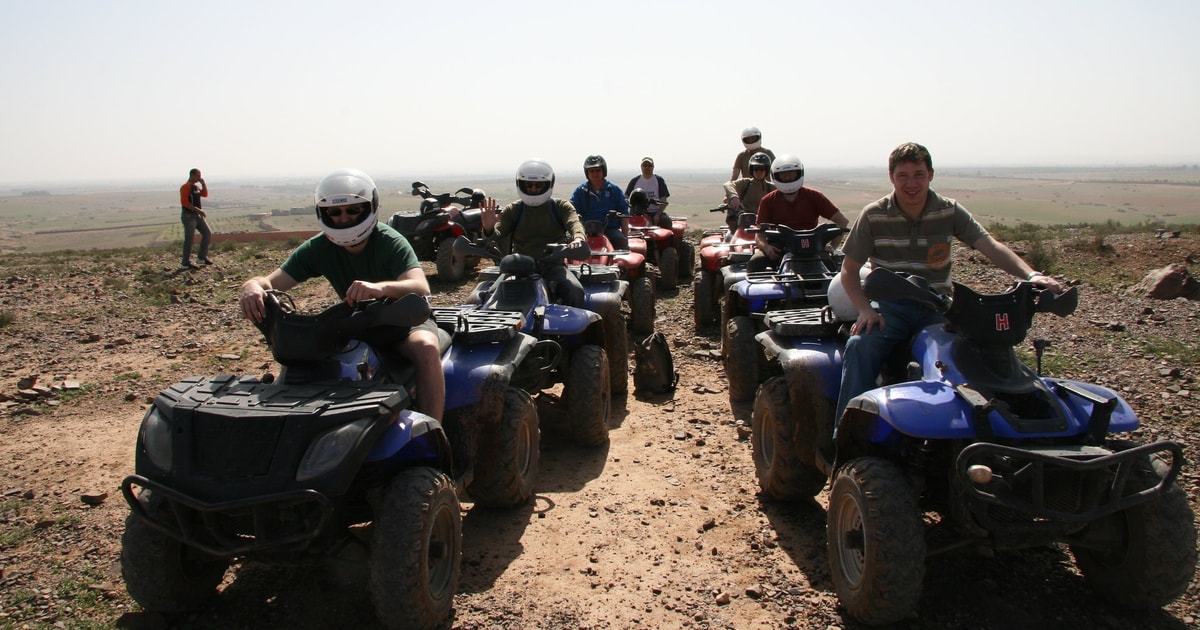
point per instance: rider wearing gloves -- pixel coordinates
(594, 198)
(537, 221)
(792, 204)
(362, 260)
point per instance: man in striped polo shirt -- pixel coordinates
(908, 231)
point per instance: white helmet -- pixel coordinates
(843, 309)
(751, 138)
(787, 164)
(535, 181)
(347, 189)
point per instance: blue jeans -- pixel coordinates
(191, 223)
(865, 354)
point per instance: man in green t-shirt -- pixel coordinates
(538, 220)
(362, 260)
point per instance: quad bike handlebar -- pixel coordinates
(305, 338)
(987, 319)
(554, 252)
(465, 197)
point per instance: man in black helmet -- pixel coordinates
(594, 198)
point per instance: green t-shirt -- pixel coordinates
(386, 257)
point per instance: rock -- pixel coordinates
(723, 599)
(1168, 283)
(93, 498)
(743, 433)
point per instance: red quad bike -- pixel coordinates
(664, 247)
(633, 268)
(441, 219)
(720, 249)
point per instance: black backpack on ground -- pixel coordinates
(654, 369)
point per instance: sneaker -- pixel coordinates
(206, 261)
(188, 267)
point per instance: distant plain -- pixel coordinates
(107, 216)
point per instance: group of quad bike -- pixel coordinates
(960, 446)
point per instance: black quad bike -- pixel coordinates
(440, 219)
(326, 462)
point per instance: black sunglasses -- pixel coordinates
(351, 211)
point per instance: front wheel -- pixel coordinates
(416, 550)
(616, 343)
(741, 358)
(450, 267)
(588, 394)
(777, 437)
(161, 573)
(1145, 556)
(508, 458)
(876, 541)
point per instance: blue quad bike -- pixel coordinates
(326, 462)
(801, 279)
(964, 446)
(584, 349)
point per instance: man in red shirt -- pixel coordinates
(790, 204)
(193, 219)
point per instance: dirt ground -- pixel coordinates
(663, 528)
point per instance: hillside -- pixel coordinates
(661, 529)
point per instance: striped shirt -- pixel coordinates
(888, 238)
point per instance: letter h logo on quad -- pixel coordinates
(1001, 321)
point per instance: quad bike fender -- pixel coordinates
(567, 320)
(818, 360)
(935, 410)
(596, 295)
(413, 438)
(1079, 406)
(480, 372)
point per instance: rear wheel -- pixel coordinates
(450, 267)
(687, 260)
(741, 351)
(616, 344)
(416, 550)
(777, 438)
(876, 541)
(668, 266)
(508, 460)
(161, 573)
(588, 393)
(641, 305)
(704, 298)
(1144, 556)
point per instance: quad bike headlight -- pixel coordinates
(330, 448)
(156, 438)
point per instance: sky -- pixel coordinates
(121, 90)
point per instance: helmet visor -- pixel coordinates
(355, 213)
(751, 139)
(533, 188)
(789, 176)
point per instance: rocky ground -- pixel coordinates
(663, 528)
